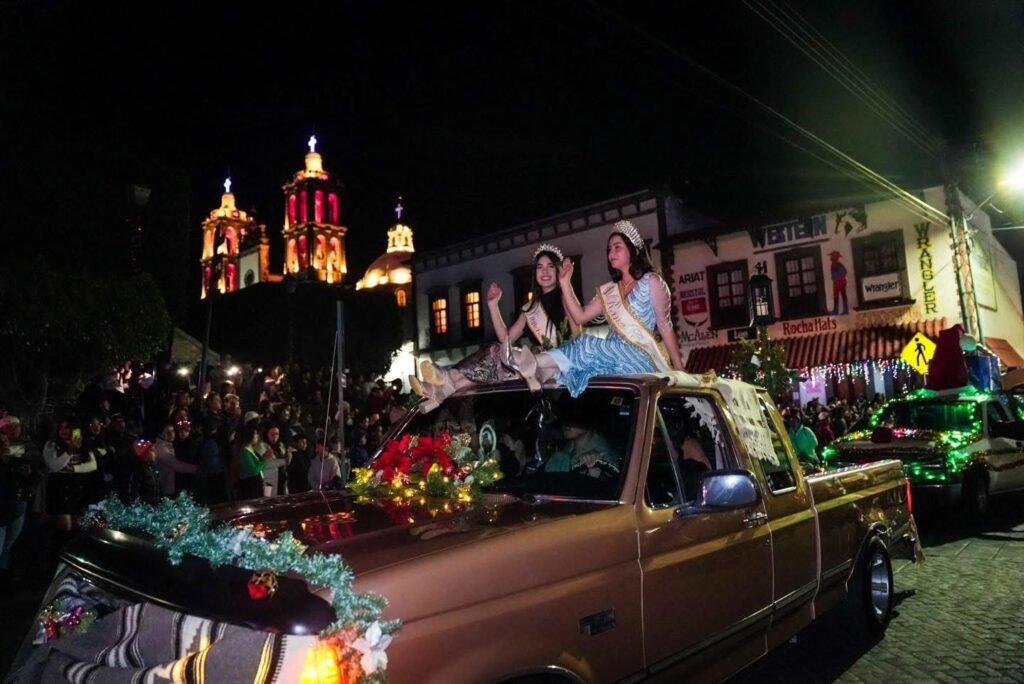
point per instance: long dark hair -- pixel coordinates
(551, 301)
(639, 260)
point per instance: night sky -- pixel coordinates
(485, 115)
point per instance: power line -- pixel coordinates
(818, 49)
(850, 166)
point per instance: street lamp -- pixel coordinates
(759, 300)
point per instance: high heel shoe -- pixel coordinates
(433, 374)
(434, 394)
(522, 361)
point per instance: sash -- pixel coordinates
(540, 325)
(627, 326)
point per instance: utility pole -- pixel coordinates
(961, 252)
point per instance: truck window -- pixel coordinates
(997, 413)
(686, 444)
(780, 477)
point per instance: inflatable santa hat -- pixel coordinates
(948, 369)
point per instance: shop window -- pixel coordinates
(800, 282)
(727, 294)
(881, 267)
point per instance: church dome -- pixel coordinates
(393, 267)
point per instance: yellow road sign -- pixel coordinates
(918, 353)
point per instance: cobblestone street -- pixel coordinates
(959, 615)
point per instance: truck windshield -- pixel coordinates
(553, 446)
(931, 415)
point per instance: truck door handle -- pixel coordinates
(755, 520)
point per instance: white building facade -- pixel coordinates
(850, 288)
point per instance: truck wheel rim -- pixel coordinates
(881, 585)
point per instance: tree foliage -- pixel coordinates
(762, 361)
(60, 327)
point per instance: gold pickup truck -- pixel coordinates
(657, 527)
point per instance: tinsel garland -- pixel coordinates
(181, 526)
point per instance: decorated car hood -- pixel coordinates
(375, 533)
(901, 442)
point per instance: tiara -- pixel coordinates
(629, 231)
(548, 247)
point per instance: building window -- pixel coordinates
(291, 209)
(400, 298)
(881, 265)
(303, 207)
(799, 276)
(439, 312)
(472, 303)
(472, 323)
(727, 293)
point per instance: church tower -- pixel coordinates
(314, 238)
(235, 248)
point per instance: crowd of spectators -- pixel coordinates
(134, 434)
(814, 426)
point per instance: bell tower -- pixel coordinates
(314, 236)
(228, 233)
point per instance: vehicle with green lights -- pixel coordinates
(950, 444)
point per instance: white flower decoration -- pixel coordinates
(372, 645)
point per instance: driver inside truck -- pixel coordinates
(584, 451)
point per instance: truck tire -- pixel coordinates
(975, 495)
(868, 607)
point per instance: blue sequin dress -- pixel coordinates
(588, 356)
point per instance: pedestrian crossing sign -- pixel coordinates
(918, 353)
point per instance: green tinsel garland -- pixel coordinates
(181, 526)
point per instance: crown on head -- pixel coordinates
(629, 231)
(548, 247)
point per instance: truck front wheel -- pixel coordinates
(869, 598)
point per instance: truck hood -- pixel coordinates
(368, 536)
(374, 534)
(902, 443)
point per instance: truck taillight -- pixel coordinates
(910, 497)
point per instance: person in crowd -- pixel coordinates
(17, 487)
(167, 461)
(542, 314)
(823, 429)
(276, 449)
(144, 482)
(73, 480)
(298, 466)
(324, 469)
(358, 455)
(187, 441)
(122, 459)
(805, 443)
(250, 466)
(213, 470)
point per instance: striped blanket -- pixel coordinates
(143, 643)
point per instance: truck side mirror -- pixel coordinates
(724, 490)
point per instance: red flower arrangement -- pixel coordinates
(416, 455)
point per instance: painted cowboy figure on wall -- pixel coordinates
(838, 284)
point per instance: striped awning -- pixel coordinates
(847, 346)
(1005, 351)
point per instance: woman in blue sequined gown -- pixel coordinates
(643, 302)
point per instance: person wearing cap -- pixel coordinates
(585, 452)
